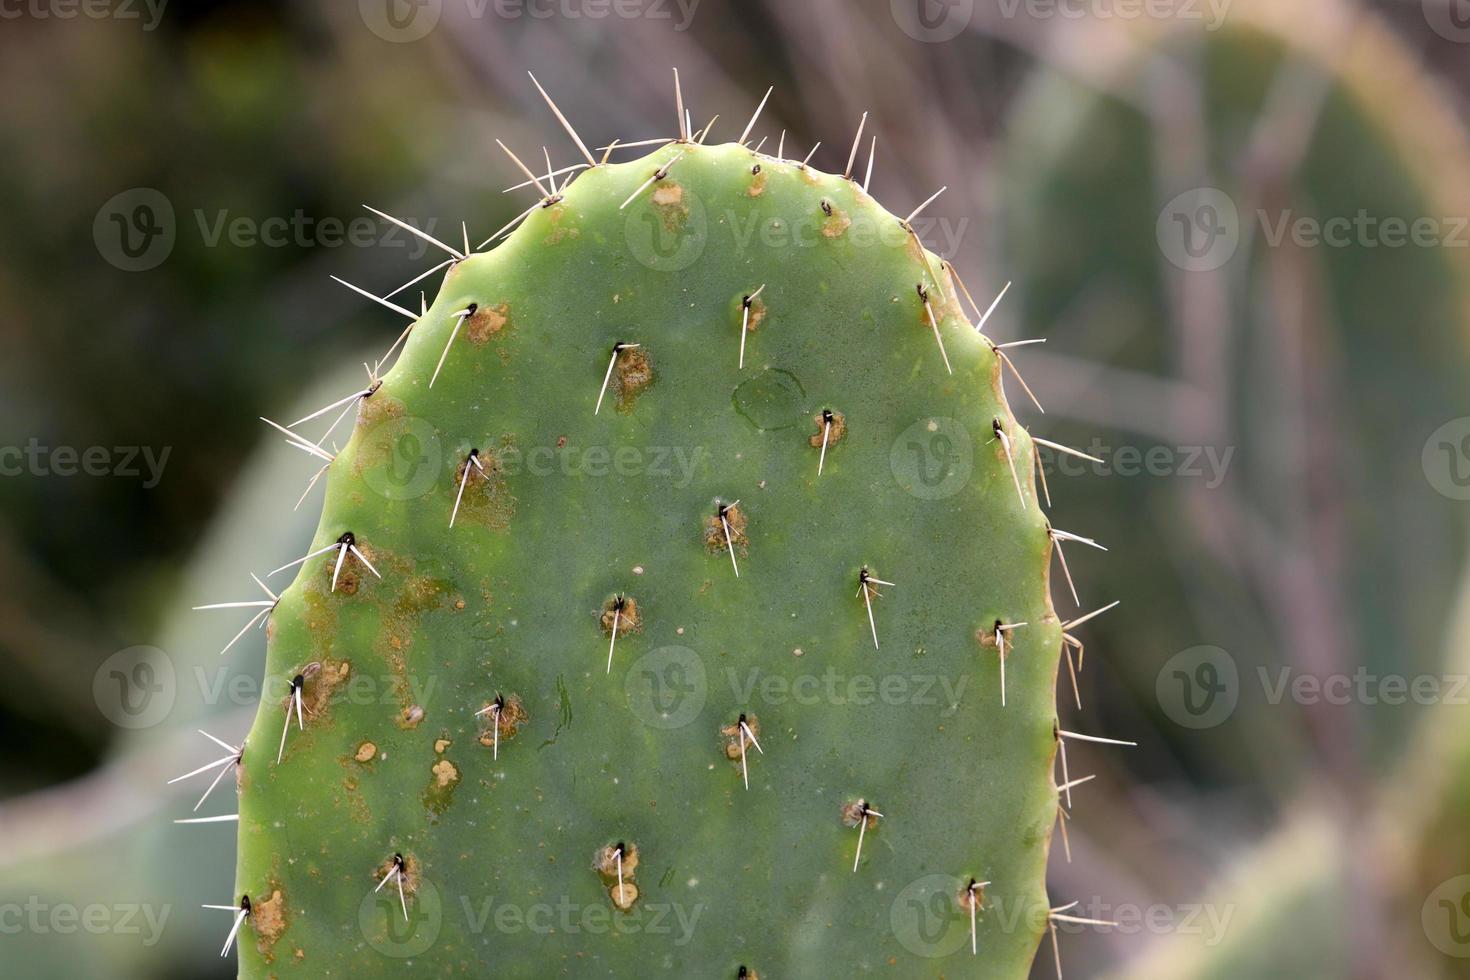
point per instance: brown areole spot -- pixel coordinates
(379, 408)
(838, 423)
(486, 499)
(971, 896)
(634, 373)
(856, 812)
(366, 752)
(714, 529)
(731, 735)
(757, 313)
(622, 609)
(605, 861)
(511, 716)
(322, 679)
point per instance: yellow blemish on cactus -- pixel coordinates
(445, 774)
(668, 198)
(268, 921)
(486, 322)
(835, 223)
(624, 895)
(366, 752)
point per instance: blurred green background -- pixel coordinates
(1242, 226)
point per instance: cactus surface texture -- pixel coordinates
(660, 573)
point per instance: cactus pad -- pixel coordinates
(655, 635)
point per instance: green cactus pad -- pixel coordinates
(462, 735)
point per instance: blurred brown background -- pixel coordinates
(1243, 227)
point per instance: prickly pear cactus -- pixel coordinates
(651, 627)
